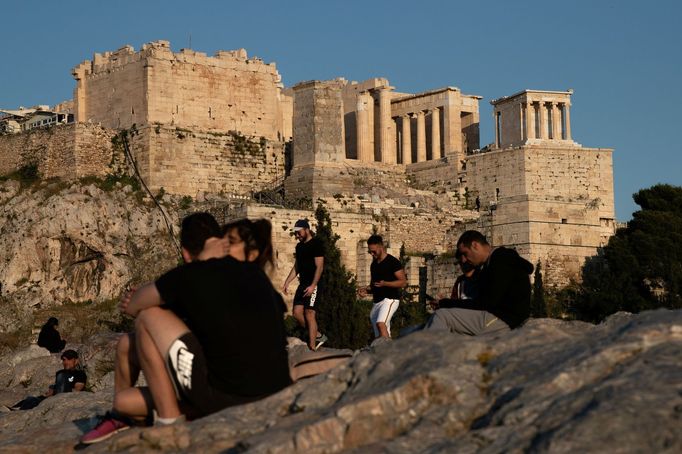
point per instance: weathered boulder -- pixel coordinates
(550, 386)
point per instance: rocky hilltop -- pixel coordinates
(550, 386)
(75, 243)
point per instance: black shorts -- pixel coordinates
(309, 302)
(187, 367)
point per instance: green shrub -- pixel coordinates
(343, 318)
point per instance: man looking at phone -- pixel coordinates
(387, 278)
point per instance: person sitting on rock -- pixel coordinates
(190, 328)
(70, 378)
(196, 230)
(465, 287)
(503, 302)
(49, 337)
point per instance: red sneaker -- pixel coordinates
(107, 427)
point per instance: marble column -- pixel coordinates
(421, 136)
(543, 120)
(407, 139)
(364, 149)
(436, 152)
(386, 140)
(567, 118)
(556, 122)
(530, 120)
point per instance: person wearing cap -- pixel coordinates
(308, 266)
(69, 379)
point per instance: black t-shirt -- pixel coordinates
(231, 308)
(385, 271)
(305, 259)
(66, 379)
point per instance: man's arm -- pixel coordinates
(400, 282)
(137, 300)
(290, 277)
(319, 266)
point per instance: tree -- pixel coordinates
(409, 312)
(341, 316)
(641, 267)
(538, 308)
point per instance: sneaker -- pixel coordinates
(319, 340)
(107, 427)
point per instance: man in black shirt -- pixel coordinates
(503, 284)
(308, 265)
(387, 278)
(465, 287)
(68, 379)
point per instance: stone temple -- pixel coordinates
(407, 165)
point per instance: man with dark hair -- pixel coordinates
(68, 379)
(308, 266)
(387, 278)
(504, 290)
(197, 229)
(465, 287)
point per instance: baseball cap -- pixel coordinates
(69, 354)
(301, 224)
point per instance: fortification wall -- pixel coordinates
(226, 92)
(554, 204)
(64, 151)
(187, 162)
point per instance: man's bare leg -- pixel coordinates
(312, 327)
(133, 402)
(127, 365)
(298, 315)
(156, 329)
(383, 330)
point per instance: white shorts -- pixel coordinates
(383, 312)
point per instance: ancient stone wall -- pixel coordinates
(227, 92)
(319, 152)
(65, 151)
(554, 204)
(189, 161)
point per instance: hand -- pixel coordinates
(379, 284)
(214, 248)
(362, 291)
(125, 299)
(309, 290)
(434, 304)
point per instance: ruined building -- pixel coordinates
(406, 165)
(541, 192)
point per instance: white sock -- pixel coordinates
(168, 421)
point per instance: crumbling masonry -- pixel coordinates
(406, 165)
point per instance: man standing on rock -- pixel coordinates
(387, 278)
(503, 284)
(308, 266)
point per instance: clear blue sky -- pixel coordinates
(623, 58)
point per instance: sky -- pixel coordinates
(622, 58)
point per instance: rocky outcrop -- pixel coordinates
(550, 386)
(69, 242)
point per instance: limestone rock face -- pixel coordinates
(550, 386)
(75, 244)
